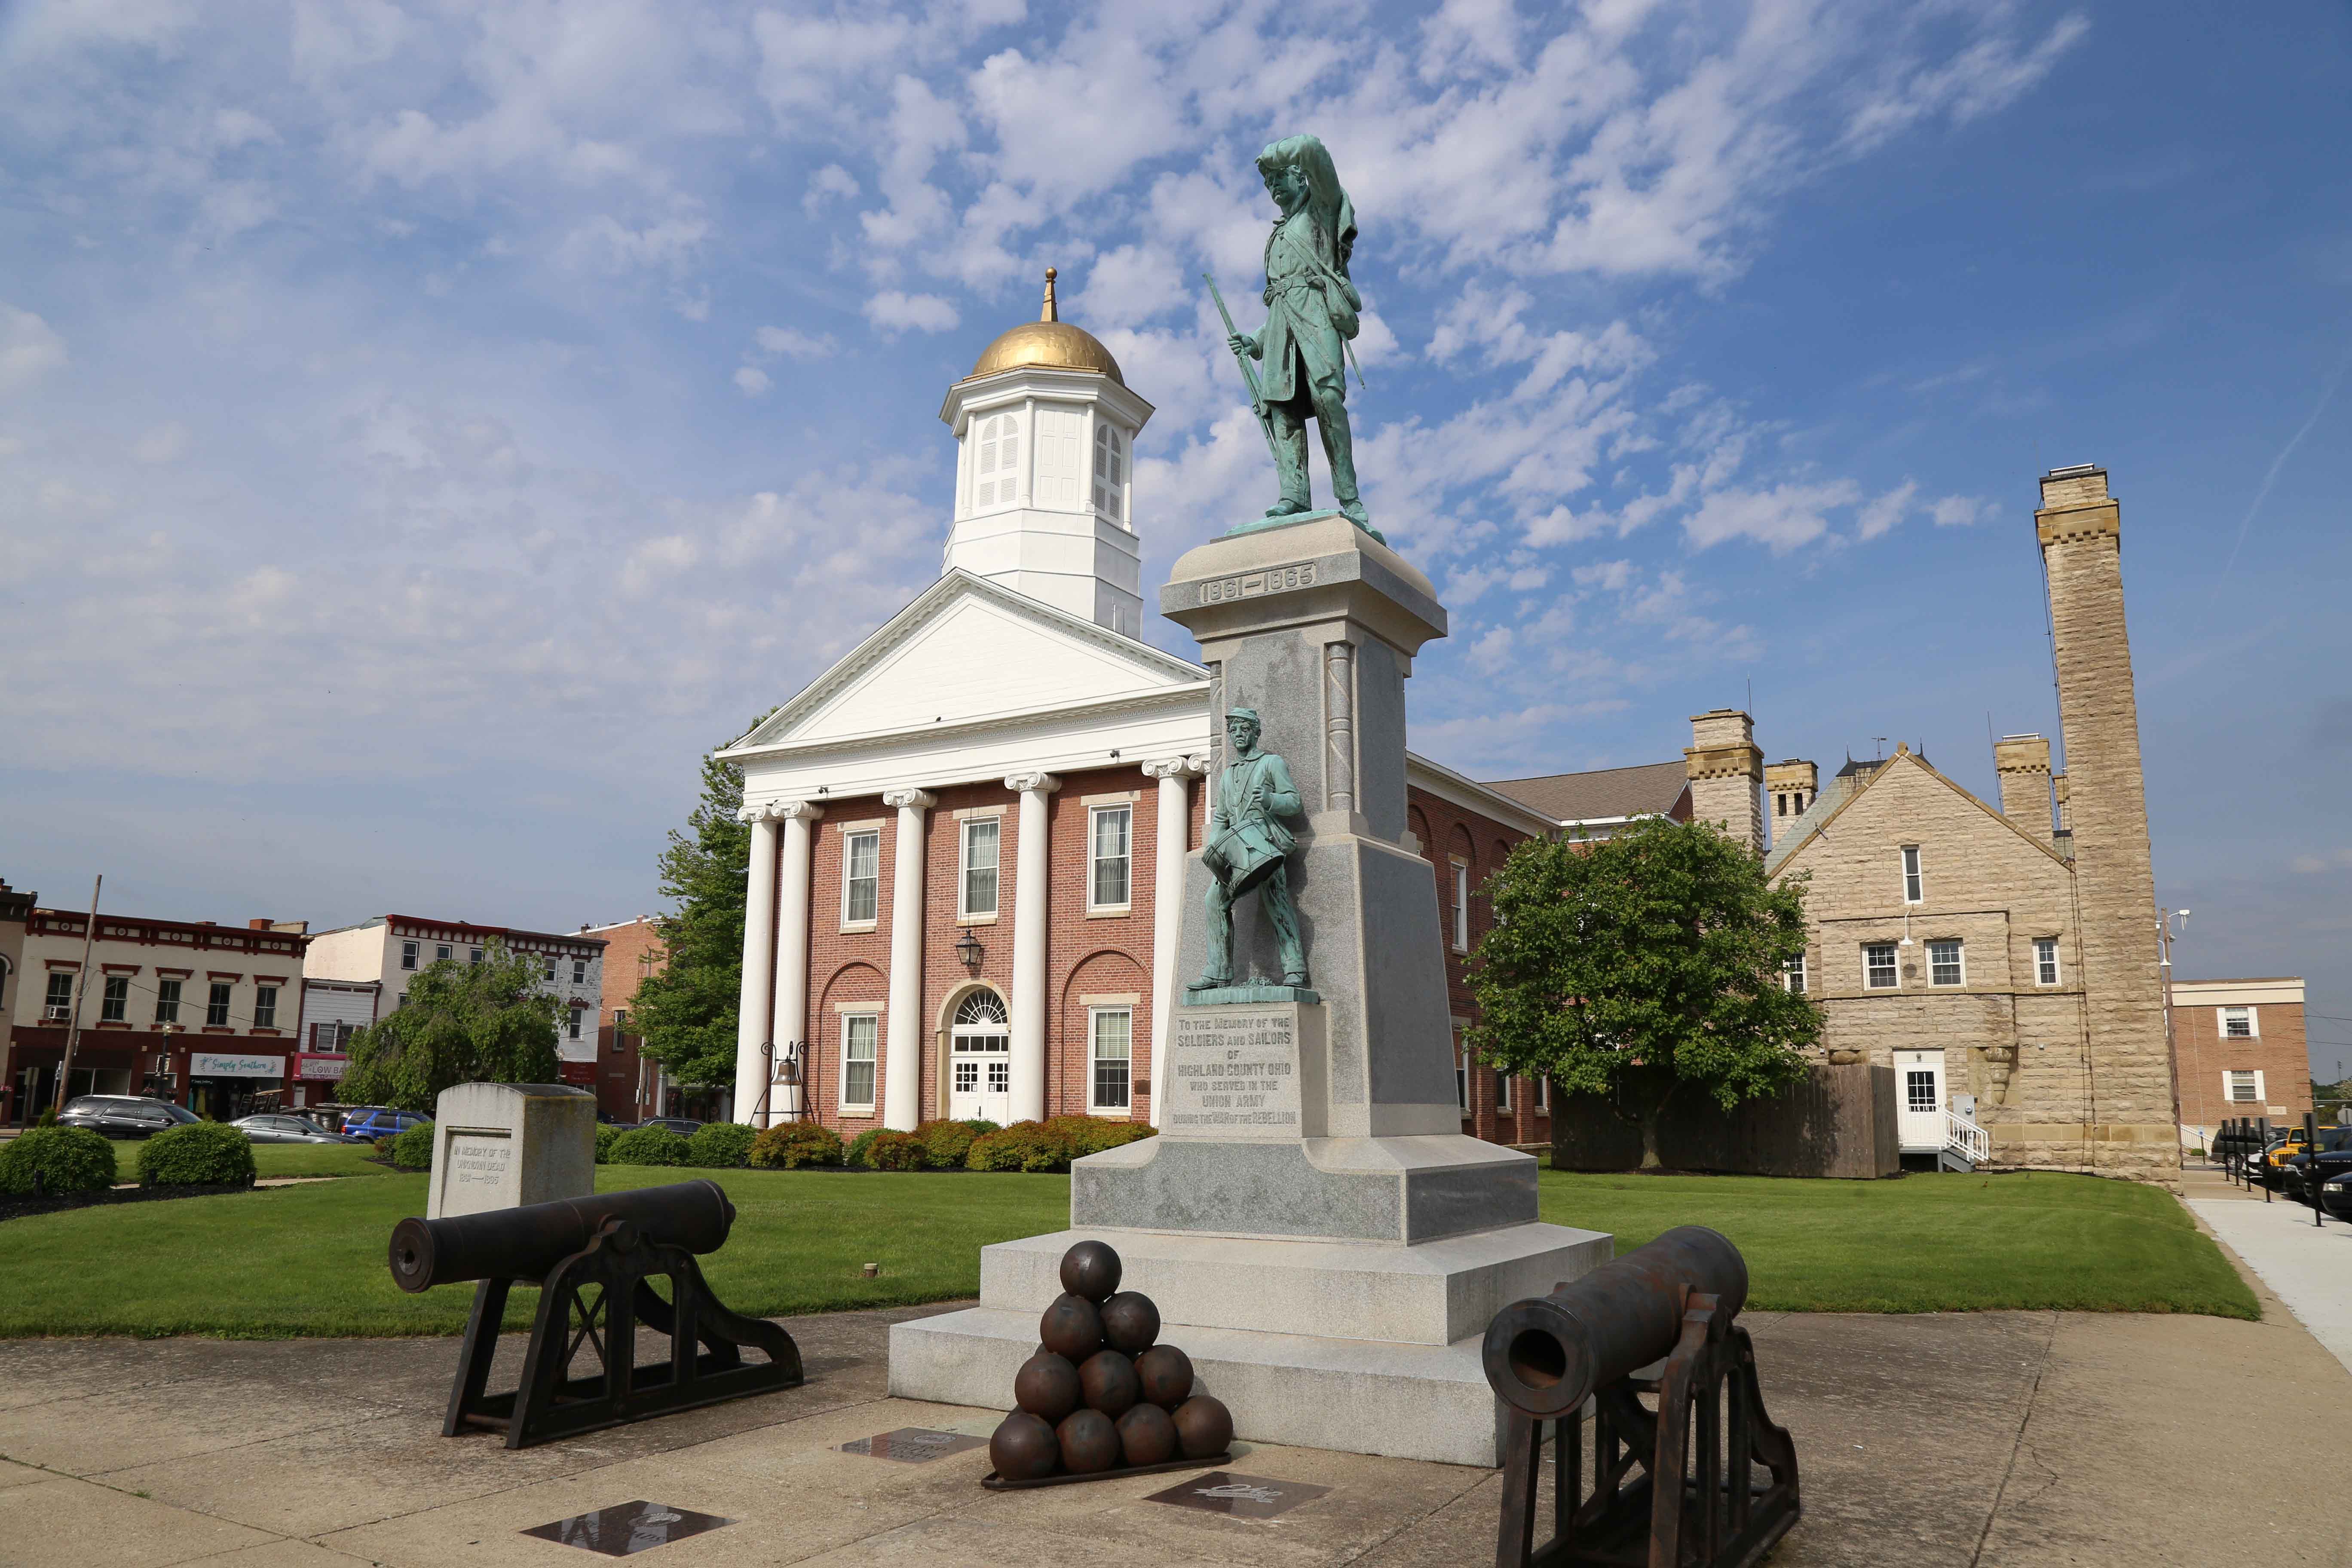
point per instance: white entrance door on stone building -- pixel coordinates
(980, 1060)
(1920, 1102)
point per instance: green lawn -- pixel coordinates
(299, 1159)
(310, 1260)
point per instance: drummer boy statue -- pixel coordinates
(1247, 848)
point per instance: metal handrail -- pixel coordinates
(1965, 1136)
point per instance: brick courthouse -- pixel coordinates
(969, 835)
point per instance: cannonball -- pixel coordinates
(1024, 1447)
(1047, 1387)
(1071, 1328)
(1090, 1269)
(1089, 1442)
(1130, 1322)
(1106, 1382)
(1146, 1435)
(1203, 1428)
(1166, 1374)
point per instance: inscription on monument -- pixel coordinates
(479, 1160)
(1249, 585)
(1234, 1073)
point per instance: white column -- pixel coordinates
(1030, 902)
(1170, 841)
(751, 1016)
(800, 818)
(902, 1061)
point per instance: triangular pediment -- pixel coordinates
(967, 649)
(1882, 782)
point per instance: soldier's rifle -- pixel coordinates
(1249, 373)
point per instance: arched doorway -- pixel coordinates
(980, 1060)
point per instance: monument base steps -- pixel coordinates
(1367, 1349)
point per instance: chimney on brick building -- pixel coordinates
(2128, 1123)
(1789, 787)
(2023, 763)
(1724, 768)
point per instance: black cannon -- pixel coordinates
(596, 1261)
(1658, 1321)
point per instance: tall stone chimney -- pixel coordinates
(1789, 788)
(2128, 1126)
(1724, 770)
(2023, 763)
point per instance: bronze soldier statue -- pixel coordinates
(1248, 848)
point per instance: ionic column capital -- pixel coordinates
(1175, 767)
(900, 799)
(796, 810)
(1037, 783)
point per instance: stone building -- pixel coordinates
(970, 835)
(2006, 966)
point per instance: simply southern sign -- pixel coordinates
(209, 1064)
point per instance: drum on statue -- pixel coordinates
(1246, 854)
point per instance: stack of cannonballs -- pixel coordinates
(1100, 1396)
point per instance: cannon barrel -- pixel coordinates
(527, 1241)
(1546, 1354)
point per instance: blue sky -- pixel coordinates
(424, 428)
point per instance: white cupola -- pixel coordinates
(1045, 430)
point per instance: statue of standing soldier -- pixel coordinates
(1248, 847)
(1312, 312)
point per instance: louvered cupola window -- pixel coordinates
(996, 467)
(1110, 472)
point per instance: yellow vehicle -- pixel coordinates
(2275, 1157)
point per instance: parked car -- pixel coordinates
(123, 1115)
(2336, 1196)
(283, 1128)
(680, 1125)
(370, 1122)
(2333, 1157)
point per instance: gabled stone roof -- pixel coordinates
(1648, 789)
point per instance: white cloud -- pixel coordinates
(1881, 513)
(1783, 517)
(1952, 512)
(29, 349)
(166, 443)
(893, 311)
(795, 344)
(751, 382)
(827, 184)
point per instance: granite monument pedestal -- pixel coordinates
(498, 1145)
(1320, 1236)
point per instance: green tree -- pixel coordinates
(492, 1021)
(686, 1012)
(1632, 966)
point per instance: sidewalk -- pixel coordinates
(2308, 1265)
(1940, 1440)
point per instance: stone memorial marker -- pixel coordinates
(496, 1145)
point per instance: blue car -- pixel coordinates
(373, 1122)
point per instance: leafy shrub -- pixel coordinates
(855, 1153)
(790, 1145)
(606, 1134)
(1050, 1145)
(720, 1146)
(946, 1144)
(1093, 1134)
(196, 1154)
(898, 1151)
(65, 1159)
(649, 1146)
(383, 1146)
(412, 1149)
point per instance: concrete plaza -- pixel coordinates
(2025, 1439)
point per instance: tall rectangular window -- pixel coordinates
(550, 969)
(167, 1001)
(265, 1007)
(1462, 1077)
(575, 1023)
(1461, 907)
(579, 972)
(60, 1000)
(2238, 1023)
(216, 1008)
(1878, 965)
(1111, 859)
(858, 1033)
(1503, 1092)
(1792, 975)
(1543, 1094)
(1944, 962)
(441, 953)
(2045, 961)
(1913, 886)
(980, 836)
(861, 878)
(2243, 1088)
(473, 955)
(1113, 1057)
(114, 1002)
(407, 955)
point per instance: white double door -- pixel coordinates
(1920, 1100)
(980, 1074)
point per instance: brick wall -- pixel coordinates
(2279, 1052)
(1450, 835)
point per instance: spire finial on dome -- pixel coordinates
(1051, 312)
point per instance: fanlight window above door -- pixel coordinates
(981, 1007)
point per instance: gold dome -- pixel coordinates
(1048, 341)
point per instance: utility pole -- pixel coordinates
(2164, 932)
(81, 990)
